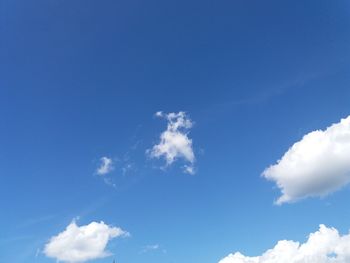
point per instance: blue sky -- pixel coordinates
(80, 80)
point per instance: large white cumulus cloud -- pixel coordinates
(174, 141)
(324, 246)
(315, 166)
(82, 243)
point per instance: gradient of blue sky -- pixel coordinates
(83, 79)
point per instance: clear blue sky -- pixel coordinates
(83, 79)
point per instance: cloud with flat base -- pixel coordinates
(315, 166)
(82, 243)
(323, 246)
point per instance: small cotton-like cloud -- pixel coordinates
(189, 169)
(174, 141)
(317, 165)
(106, 166)
(82, 243)
(323, 246)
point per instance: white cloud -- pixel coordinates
(106, 166)
(82, 243)
(317, 165)
(174, 141)
(189, 169)
(128, 167)
(150, 248)
(323, 246)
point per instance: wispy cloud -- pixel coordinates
(154, 247)
(174, 141)
(106, 166)
(34, 221)
(148, 248)
(127, 168)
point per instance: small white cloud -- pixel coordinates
(106, 166)
(150, 248)
(159, 114)
(317, 165)
(323, 246)
(174, 141)
(189, 169)
(82, 243)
